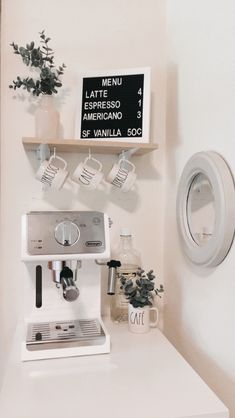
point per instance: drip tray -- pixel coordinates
(64, 334)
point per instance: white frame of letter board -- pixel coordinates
(146, 104)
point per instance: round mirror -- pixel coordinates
(206, 209)
(201, 209)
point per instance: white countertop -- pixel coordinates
(143, 377)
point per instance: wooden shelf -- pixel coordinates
(82, 146)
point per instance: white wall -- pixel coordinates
(86, 35)
(200, 310)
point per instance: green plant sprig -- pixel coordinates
(41, 58)
(140, 292)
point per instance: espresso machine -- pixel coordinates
(63, 252)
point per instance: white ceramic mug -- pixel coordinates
(88, 176)
(52, 175)
(122, 175)
(139, 319)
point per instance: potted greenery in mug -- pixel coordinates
(140, 294)
(45, 83)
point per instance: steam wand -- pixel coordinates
(112, 265)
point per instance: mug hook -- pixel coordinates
(122, 156)
(54, 154)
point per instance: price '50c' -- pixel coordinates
(134, 132)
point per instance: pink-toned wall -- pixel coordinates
(86, 35)
(200, 309)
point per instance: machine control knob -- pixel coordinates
(67, 233)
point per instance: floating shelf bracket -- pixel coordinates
(43, 152)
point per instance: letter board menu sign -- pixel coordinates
(115, 106)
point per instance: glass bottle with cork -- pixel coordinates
(130, 262)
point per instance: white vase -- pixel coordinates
(46, 119)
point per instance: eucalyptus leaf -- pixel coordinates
(41, 58)
(140, 291)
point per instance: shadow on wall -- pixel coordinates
(172, 120)
(175, 326)
(173, 292)
(214, 376)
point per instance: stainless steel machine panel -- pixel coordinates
(65, 233)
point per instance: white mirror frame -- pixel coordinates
(214, 167)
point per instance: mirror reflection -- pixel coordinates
(200, 209)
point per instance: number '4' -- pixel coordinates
(140, 91)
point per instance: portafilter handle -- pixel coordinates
(112, 265)
(70, 290)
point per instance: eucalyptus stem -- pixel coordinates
(41, 58)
